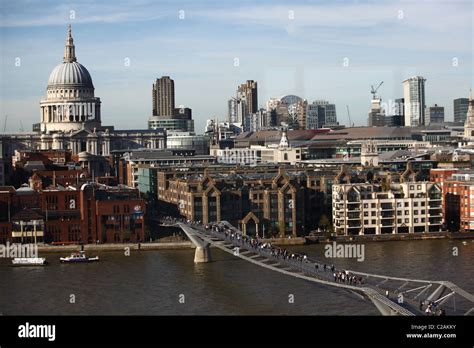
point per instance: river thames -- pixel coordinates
(157, 282)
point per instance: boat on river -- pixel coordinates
(78, 257)
(29, 261)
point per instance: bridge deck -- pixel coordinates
(373, 287)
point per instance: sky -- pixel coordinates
(332, 50)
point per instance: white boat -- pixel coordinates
(79, 257)
(29, 261)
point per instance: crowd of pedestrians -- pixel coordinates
(281, 253)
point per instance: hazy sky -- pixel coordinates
(289, 47)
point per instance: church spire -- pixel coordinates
(69, 50)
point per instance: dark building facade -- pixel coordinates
(460, 109)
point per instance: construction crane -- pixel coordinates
(349, 116)
(373, 91)
(5, 124)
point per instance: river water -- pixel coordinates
(157, 282)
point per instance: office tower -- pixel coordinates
(321, 114)
(163, 97)
(394, 121)
(232, 107)
(414, 95)
(399, 108)
(312, 116)
(434, 115)
(460, 109)
(397, 114)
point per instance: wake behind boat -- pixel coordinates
(78, 257)
(29, 261)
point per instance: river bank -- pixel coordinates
(118, 246)
(391, 237)
(179, 245)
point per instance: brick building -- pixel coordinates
(275, 200)
(458, 192)
(75, 214)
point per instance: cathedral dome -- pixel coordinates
(70, 73)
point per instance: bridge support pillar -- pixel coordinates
(202, 254)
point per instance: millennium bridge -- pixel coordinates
(390, 295)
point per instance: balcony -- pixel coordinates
(353, 215)
(387, 214)
(386, 207)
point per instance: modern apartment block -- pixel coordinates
(405, 207)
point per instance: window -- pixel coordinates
(412, 187)
(423, 212)
(366, 205)
(423, 204)
(373, 205)
(406, 204)
(415, 204)
(407, 221)
(423, 219)
(374, 222)
(374, 213)
(415, 220)
(366, 222)
(415, 212)
(407, 212)
(399, 212)
(418, 187)
(399, 221)
(366, 213)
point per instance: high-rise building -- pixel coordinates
(434, 115)
(394, 121)
(460, 109)
(400, 110)
(232, 105)
(247, 102)
(165, 114)
(312, 116)
(376, 114)
(163, 97)
(321, 114)
(248, 91)
(414, 95)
